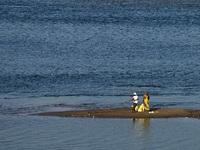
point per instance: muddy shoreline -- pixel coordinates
(126, 113)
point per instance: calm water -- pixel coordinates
(82, 133)
(77, 54)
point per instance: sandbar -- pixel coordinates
(126, 113)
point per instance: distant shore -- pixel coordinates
(126, 113)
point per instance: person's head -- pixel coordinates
(146, 93)
(135, 94)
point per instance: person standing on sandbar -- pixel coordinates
(146, 101)
(135, 101)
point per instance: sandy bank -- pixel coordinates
(126, 113)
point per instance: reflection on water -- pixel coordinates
(141, 130)
(141, 125)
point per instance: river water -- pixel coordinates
(58, 55)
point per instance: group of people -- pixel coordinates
(145, 103)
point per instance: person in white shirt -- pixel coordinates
(135, 100)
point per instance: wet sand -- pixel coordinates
(126, 113)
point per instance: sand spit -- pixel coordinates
(126, 113)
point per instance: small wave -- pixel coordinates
(176, 105)
(154, 86)
(92, 94)
(42, 108)
(15, 6)
(165, 105)
(83, 105)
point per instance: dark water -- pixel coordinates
(77, 54)
(99, 48)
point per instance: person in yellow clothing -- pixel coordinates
(146, 101)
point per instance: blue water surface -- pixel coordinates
(78, 54)
(24, 132)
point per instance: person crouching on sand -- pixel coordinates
(146, 101)
(135, 101)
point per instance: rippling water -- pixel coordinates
(67, 54)
(56, 48)
(76, 133)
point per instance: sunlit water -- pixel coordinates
(25, 132)
(74, 55)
